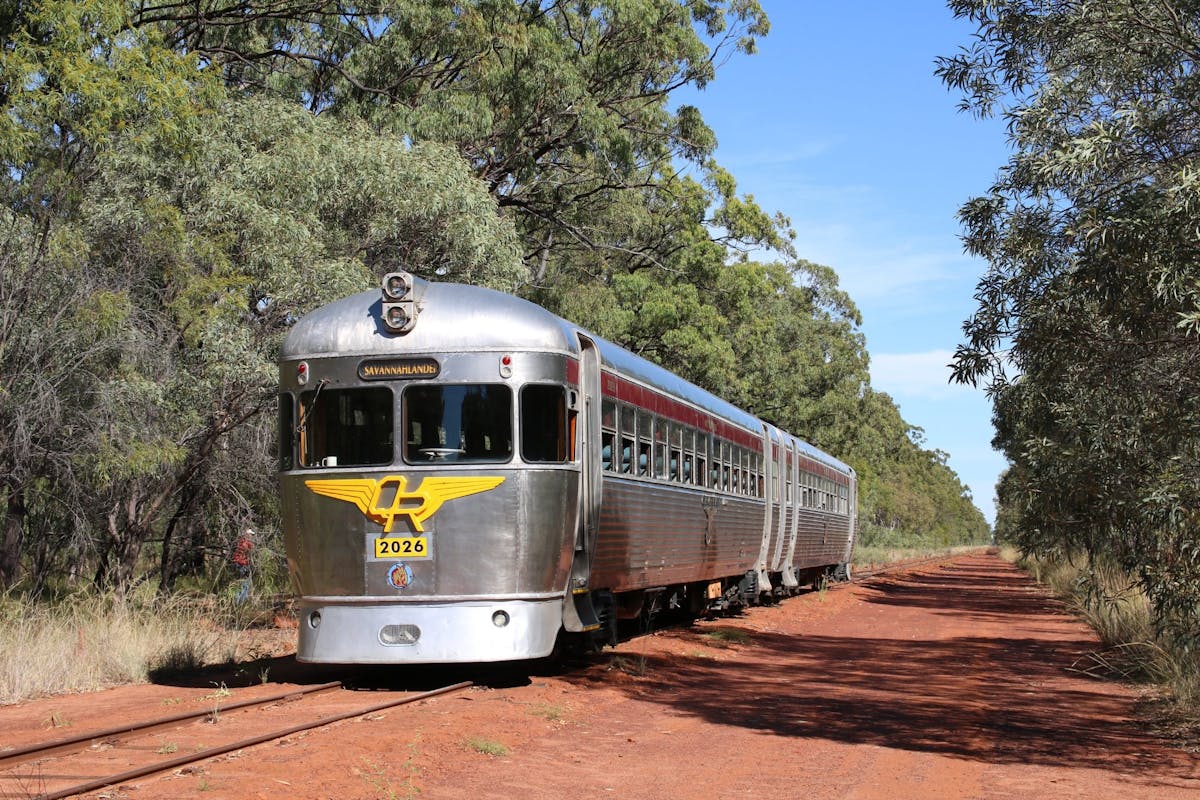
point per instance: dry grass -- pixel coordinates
(1113, 605)
(725, 637)
(88, 642)
(868, 557)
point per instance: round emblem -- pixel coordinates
(400, 575)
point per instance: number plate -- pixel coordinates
(409, 547)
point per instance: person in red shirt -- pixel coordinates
(241, 559)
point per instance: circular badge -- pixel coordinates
(400, 575)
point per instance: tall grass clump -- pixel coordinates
(86, 642)
(1116, 608)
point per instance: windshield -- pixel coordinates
(461, 423)
(345, 427)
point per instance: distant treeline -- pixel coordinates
(184, 179)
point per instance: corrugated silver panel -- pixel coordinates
(823, 539)
(655, 535)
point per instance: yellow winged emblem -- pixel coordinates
(418, 505)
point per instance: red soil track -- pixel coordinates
(952, 680)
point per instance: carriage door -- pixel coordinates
(578, 611)
(591, 478)
(787, 521)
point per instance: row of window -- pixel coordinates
(473, 423)
(637, 442)
(643, 444)
(461, 423)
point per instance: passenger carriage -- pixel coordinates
(466, 476)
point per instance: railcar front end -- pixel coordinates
(429, 489)
(464, 476)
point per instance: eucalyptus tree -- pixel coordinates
(274, 212)
(560, 107)
(1087, 328)
(158, 237)
(71, 73)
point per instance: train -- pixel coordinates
(466, 477)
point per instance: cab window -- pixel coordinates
(346, 427)
(544, 423)
(462, 423)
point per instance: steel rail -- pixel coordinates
(895, 566)
(12, 758)
(162, 766)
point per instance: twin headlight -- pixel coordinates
(399, 307)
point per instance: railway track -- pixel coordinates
(883, 569)
(55, 769)
(24, 771)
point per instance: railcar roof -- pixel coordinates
(452, 317)
(458, 317)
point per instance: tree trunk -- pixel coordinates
(175, 561)
(130, 550)
(11, 539)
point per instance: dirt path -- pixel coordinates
(950, 681)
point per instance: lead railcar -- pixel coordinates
(465, 477)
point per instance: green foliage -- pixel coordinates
(141, 313)
(1091, 296)
(560, 108)
(486, 746)
(184, 181)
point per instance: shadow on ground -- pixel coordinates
(1004, 693)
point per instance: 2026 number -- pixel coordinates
(402, 547)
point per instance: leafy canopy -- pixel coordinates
(1086, 329)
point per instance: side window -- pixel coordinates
(660, 447)
(287, 433)
(725, 486)
(628, 437)
(608, 435)
(544, 423)
(346, 427)
(713, 476)
(689, 442)
(643, 448)
(676, 460)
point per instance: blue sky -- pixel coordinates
(839, 122)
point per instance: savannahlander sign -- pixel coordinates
(383, 369)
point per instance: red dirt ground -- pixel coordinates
(952, 680)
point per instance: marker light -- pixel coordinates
(302, 373)
(506, 362)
